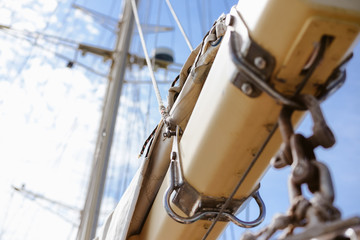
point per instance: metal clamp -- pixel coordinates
(254, 76)
(201, 207)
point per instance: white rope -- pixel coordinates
(179, 25)
(148, 62)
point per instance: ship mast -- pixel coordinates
(90, 213)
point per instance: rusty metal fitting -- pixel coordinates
(322, 135)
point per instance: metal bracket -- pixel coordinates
(255, 66)
(197, 206)
(254, 76)
(256, 58)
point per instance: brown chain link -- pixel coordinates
(298, 151)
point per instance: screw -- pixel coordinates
(260, 63)
(247, 88)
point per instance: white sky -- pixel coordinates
(49, 116)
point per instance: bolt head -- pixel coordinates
(260, 63)
(247, 88)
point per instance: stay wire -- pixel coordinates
(88, 68)
(228, 200)
(132, 129)
(145, 20)
(157, 32)
(124, 111)
(179, 25)
(30, 54)
(147, 119)
(148, 62)
(5, 216)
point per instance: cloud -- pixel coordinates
(49, 117)
(5, 17)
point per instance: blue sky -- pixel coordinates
(49, 114)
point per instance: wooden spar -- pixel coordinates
(90, 213)
(227, 128)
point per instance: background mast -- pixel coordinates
(90, 213)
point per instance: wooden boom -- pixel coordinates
(271, 51)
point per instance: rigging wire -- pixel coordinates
(13, 218)
(35, 43)
(147, 123)
(29, 226)
(2, 229)
(148, 62)
(104, 20)
(19, 72)
(179, 25)
(103, 75)
(157, 32)
(130, 131)
(146, 17)
(90, 69)
(173, 38)
(130, 128)
(70, 237)
(252, 163)
(123, 114)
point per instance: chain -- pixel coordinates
(298, 152)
